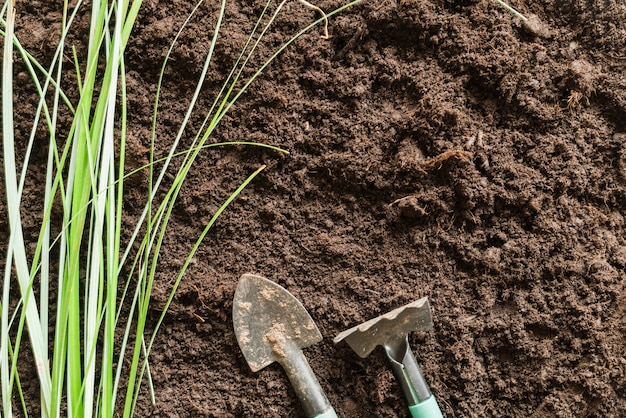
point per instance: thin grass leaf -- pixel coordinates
(16, 246)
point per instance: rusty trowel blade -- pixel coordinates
(267, 319)
(393, 326)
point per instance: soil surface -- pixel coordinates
(437, 148)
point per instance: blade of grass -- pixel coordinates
(16, 245)
(7, 103)
(512, 10)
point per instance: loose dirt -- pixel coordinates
(437, 148)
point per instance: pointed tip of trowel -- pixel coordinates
(365, 337)
(267, 318)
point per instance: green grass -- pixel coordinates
(82, 371)
(512, 10)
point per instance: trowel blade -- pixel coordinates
(390, 327)
(269, 321)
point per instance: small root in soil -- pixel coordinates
(574, 100)
(437, 162)
(317, 9)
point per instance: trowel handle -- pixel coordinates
(305, 384)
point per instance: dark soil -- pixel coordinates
(437, 148)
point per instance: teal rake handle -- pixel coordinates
(426, 409)
(327, 414)
(422, 403)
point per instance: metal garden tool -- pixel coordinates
(272, 325)
(391, 331)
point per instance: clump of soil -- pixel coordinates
(438, 149)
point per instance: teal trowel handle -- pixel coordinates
(426, 409)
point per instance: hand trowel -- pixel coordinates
(271, 325)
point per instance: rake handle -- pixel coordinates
(426, 409)
(422, 403)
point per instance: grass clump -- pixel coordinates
(94, 360)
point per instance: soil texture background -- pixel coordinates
(436, 148)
